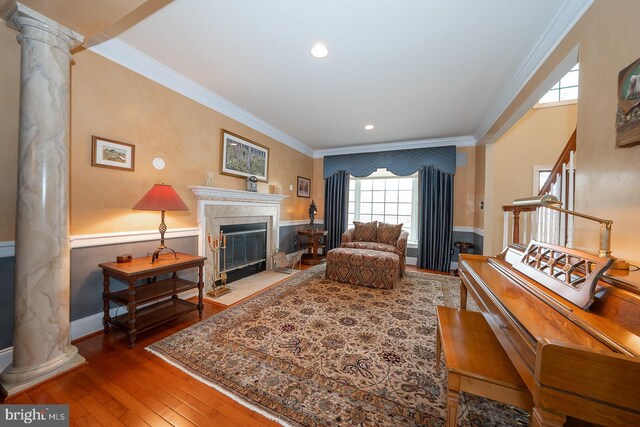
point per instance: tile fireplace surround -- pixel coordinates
(221, 206)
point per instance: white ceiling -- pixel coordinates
(416, 69)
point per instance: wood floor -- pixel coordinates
(131, 387)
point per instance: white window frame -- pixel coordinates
(536, 177)
(412, 241)
(558, 89)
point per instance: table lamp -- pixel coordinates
(161, 197)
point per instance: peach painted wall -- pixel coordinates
(9, 106)
(113, 102)
(317, 186)
(478, 214)
(464, 188)
(606, 177)
(535, 140)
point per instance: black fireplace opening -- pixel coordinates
(246, 252)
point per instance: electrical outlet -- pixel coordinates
(295, 242)
(453, 251)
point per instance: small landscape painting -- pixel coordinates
(106, 153)
(628, 114)
(243, 158)
(304, 187)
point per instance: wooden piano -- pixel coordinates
(571, 331)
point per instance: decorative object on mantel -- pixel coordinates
(304, 187)
(252, 184)
(243, 158)
(161, 197)
(313, 210)
(218, 247)
(209, 179)
(107, 153)
(628, 115)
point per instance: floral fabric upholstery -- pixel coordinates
(400, 247)
(366, 231)
(365, 267)
(389, 233)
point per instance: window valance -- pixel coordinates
(399, 162)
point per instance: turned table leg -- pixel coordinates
(105, 301)
(131, 308)
(200, 288)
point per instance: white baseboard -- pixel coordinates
(6, 356)
(85, 326)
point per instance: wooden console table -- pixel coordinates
(136, 319)
(314, 239)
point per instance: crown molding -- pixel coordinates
(567, 16)
(458, 141)
(131, 58)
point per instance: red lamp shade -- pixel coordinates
(161, 197)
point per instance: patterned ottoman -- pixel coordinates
(365, 267)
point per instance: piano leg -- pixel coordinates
(463, 296)
(542, 418)
(453, 395)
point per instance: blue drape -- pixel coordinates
(435, 215)
(399, 162)
(336, 194)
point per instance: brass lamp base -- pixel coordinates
(619, 264)
(161, 248)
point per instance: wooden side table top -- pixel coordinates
(314, 232)
(141, 266)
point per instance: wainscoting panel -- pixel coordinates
(288, 234)
(7, 265)
(86, 276)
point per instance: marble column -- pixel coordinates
(41, 343)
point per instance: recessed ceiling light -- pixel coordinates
(368, 127)
(319, 50)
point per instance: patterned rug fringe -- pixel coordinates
(234, 396)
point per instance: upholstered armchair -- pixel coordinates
(379, 237)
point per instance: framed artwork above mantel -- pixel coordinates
(242, 157)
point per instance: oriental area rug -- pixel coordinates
(315, 352)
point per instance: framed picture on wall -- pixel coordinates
(628, 114)
(107, 153)
(304, 187)
(243, 158)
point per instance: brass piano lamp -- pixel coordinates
(552, 202)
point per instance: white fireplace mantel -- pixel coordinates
(221, 206)
(214, 193)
